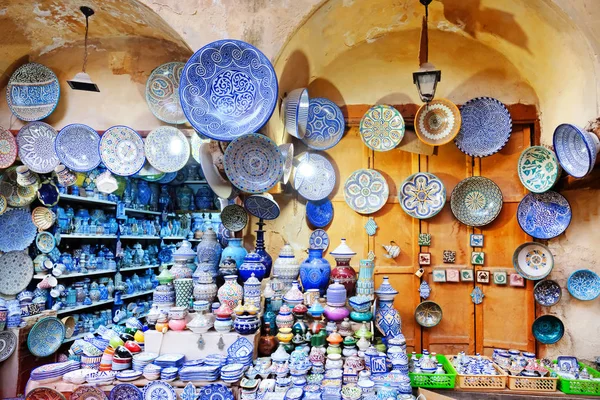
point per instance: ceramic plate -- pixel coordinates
(428, 314)
(325, 126)
(538, 169)
(382, 128)
(8, 148)
(16, 195)
(544, 215)
(422, 195)
(253, 163)
(584, 284)
(159, 390)
(88, 393)
(3, 204)
(319, 213)
(46, 336)
(16, 273)
(44, 393)
(314, 177)
(196, 141)
(287, 153)
(575, 149)
(167, 149)
(296, 108)
(122, 150)
(319, 240)
(32, 92)
(189, 392)
(45, 242)
(36, 147)
(547, 292)
(234, 217)
(533, 260)
(228, 88)
(476, 201)
(162, 93)
(215, 391)
(262, 206)
(486, 127)
(242, 347)
(437, 122)
(366, 191)
(8, 344)
(167, 178)
(125, 391)
(76, 146)
(548, 329)
(18, 230)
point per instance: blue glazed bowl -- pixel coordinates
(575, 149)
(548, 329)
(584, 284)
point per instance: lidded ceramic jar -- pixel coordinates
(343, 272)
(387, 318)
(228, 267)
(204, 287)
(252, 265)
(252, 291)
(336, 294)
(286, 266)
(182, 256)
(165, 277)
(284, 319)
(246, 324)
(230, 292)
(235, 250)
(209, 250)
(294, 295)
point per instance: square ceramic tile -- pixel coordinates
(466, 275)
(500, 278)
(424, 258)
(483, 276)
(477, 257)
(439, 275)
(516, 280)
(449, 257)
(424, 239)
(476, 240)
(452, 275)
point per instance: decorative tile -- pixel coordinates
(371, 255)
(466, 275)
(424, 290)
(424, 239)
(477, 295)
(483, 276)
(516, 280)
(449, 256)
(476, 240)
(371, 226)
(439, 275)
(424, 258)
(452, 275)
(477, 257)
(500, 278)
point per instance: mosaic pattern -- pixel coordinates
(159, 390)
(584, 284)
(162, 93)
(122, 150)
(437, 122)
(8, 344)
(544, 215)
(449, 257)
(8, 148)
(167, 149)
(424, 239)
(76, 146)
(366, 191)
(32, 92)
(371, 226)
(476, 201)
(325, 126)
(319, 213)
(538, 169)
(234, 217)
(215, 391)
(46, 336)
(422, 195)
(228, 89)
(314, 177)
(36, 147)
(382, 128)
(125, 391)
(547, 293)
(88, 393)
(486, 127)
(318, 240)
(18, 230)
(575, 149)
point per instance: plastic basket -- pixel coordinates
(581, 386)
(483, 382)
(435, 381)
(532, 384)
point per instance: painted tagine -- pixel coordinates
(343, 272)
(387, 318)
(315, 271)
(286, 266)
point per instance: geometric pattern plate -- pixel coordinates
(234, 217)
(16, 272)
(544, 215)
(262, 206)
(318, 240)
(46, 336)
(122, 150)
(44, 393)
(88, 393)
(325, 124)
(8, 148)
(159, 390)
(125, 391)
(36, 147)
(167, 149)
(18, 230)
(215, 391)
(533, 261)
(76, 146)
(32, 92)
(437, 122)
(314, 177)
(366, 191)
(476, 201)
(422, 195)
(382, 128)
(162, 93)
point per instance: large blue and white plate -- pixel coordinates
(575, 149)
(253, 163)
(319, 239)
(486, 127)
(325, 126)
(422, 195)
(382, 128)
(584, 284)
(46, 336)
(167, 149)
(125, 391)
(18, 230)
(16, 272)
(228, 88)
(314, 177)
(366, 191)
(476, 201)
(159, 390)
(544, 215)
(319, 213)
(36, 147)
(32, 92)
(76, 146)
(533, 261)
(162, 93)
(262, 206)
(122, 150)
(215, 391)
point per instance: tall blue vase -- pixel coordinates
(314, 271)
(387, 318)
(267, 260)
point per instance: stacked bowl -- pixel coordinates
(169, 374)
(152, 372)
(142, 359)
(231, 373)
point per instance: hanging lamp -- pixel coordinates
(82, 80)
(427, 77)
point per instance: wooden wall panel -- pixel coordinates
(347, 156)
(348, 225)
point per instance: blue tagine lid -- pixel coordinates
(385, 291)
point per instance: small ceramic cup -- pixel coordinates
(64, 176)
(25, 177)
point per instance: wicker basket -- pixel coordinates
(435, 381)
(482, 382)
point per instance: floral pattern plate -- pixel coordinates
(32, 92)
(88, 393)
(318, 240)
(262, 206)
(167, 149)
(422, 195)
(76, 146)
(325, 126)
(476, 201)
(319, 213)
(228, 88)
(18, 230)
(538, 169)
(314, 177)
(162, 93)
(45, 242)
(122, 150)
(46, 336)
(366, 191)
(253, 163)
(533, 261)
(382, 128)
(159, 390)
(576, 150)
(16, 273)
(486, 127)
(8, 148)
(547, 292)
(36, 147)
(44, 393)
(125, 391)
(437, 122)
(234, 217)
(215, 391)
(8, 344)
(584, 285)
(544, 215)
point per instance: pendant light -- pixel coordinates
(427, 77)
(82, 80)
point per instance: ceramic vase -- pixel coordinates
(343, 272)
(144, 193)
(205, 288)
(364, 284)
(284, 319)
(261, 250)
(387, 318)
(246, 324)
(209, 251)
(204, 198)
(223, 324)
(230, 293)
(314, 271)
(252, 265)
(184, 289)
(286, 267)
(267, 343)
(184, 198)
(235, 250)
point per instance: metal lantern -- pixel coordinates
(426, 80)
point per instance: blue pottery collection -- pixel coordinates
(252, 265)
(209, 251)
(143, 193)
(235, 250)
(314, 271)
(204, 198)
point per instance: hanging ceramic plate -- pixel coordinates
(18, 230)
(76, 146)
(43, 218)
(547, 293)
(16, 195)
(575, 149)
(584, 284)
(36, 147)
(366, 191)
(382, 128)
(220, 186)
(319, 213)
(167, 178)
(325, 124)
(125, 391)
(544, 215)
(262, 206)
(253, 163)
(8, 344)
(167, 149)
(8, 148)
(44, 393)
(319, 240)
(159, 390)
(122, 150)
(538, 169)
(314, 177)
(88, 393)
(32, 92)
(234, 217)
(476, 201)
(162, 93)
(548, 329)
(195, 142)
(228, 88)
(428, 314)
(45, 242)
(16, 273)
(287, 153)
(215, 391)
(533, 261)
(422, 195)
(437, 122)
(486, 127)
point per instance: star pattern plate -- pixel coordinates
(32, 92)
(8, 148)
(382, 128)
(18, 230)
(325, 126)
(36, 147)
(319, 213)
(167, 149)
(319, 240)
(8, 344)
(162, 93)
(533, 261)
(422, 195)
(544, 215)
(584, 285)
(76, 146)
(476, 201)
(262, 206)
(366, 191)
(46, 336)
(314, 177)
(122, 150)
(437, 122)
(234, 217)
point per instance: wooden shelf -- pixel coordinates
(81, 199)
(78, 236)
(102, 302)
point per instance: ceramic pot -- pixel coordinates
(235, 250)
(223, 324)
(209, 250)
(286, 266)
(252, 292)
(364, 284)
(294, 295)
(284, 319)
(230, 293)
(204, 198)
(252, 265)
(144, 193)
(336, 294)
(343, 272)
(185, 196)
(205, 288)
(246, 324)
(227, 266)
(387, 318)
(314, 271)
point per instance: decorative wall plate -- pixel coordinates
(547, 293)
(548, 329)
(16, 195)
(318, 240)
(45, 242)
(538, 169)
(382, 128)
(125, 391)
(262, 206)
(159, 390)
(196, 141)
(32, 92)
(215, 391)
(296, 108)
(437, 122)
(167, 149)
(314, 177)
(122, 150)
(88, 393)
(544, 215)
(16, 273)
(366, 191)
(220, 186)
(36, 147)
(162, 93)
(8, 148)
(48, 193)
(287, 154)
(584, 284)
(18, 230)
(234, 217)
(46, 336)
(319, 213)
(8, 344)
(486, 127)
(325, 124)
(422, 195)
(533, 261)
(575, 149)
(76, 146)
(228, 88)
(428, 314)
(44, 393)
(476, 201)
